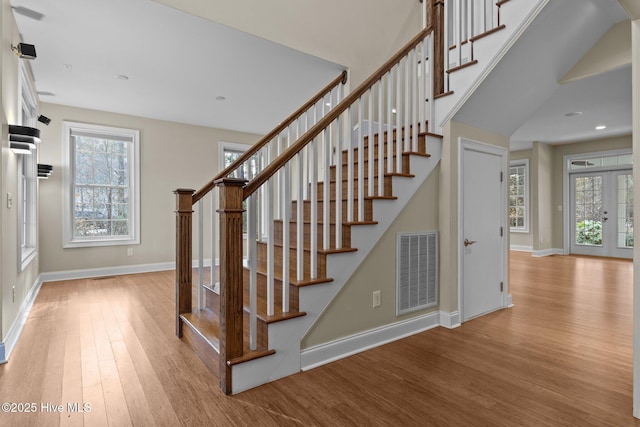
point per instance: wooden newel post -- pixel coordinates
(231, 311)
(437, 19)
(184, 211)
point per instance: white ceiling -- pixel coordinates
(522, 97)
(177, 64)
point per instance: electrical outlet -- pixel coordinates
(376, 299)
(129, 251)
(9, 200)
(13, 288)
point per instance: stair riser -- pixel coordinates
(420, 149)
(368, 211)
(293, 236)
(293, 259)
(405, 168)
(262, 292)
(387, 191)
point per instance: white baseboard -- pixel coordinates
(18, 324)
(520, 248)
(450, 320)
(548, 252)
(56, 276)
(322, 354)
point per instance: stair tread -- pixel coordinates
(462, 66)
(204, 322)
(487, 33)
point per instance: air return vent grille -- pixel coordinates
(417, 268)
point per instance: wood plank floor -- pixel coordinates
(562, 356)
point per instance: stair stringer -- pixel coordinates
(517, 15)
(285, 337)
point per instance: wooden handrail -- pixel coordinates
(315, 130)
(341, 79)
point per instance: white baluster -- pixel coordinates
(269, 202)
(447, 42)
(406, 132)
(338, 166)
(200, 256)
(360, 160)
(313, 238)
(326, 191)
(300, 219)
(350, 166)
(415, 96)
(286, 221)
(399, 136)
(213, 240)
(371, 145)
(429, 81)
(381, 137)
(390, 119)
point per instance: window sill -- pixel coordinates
(98, 243)
(521, 231)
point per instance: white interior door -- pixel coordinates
(483, 212)
(602, 213)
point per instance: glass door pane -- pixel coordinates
(625, 210)
(588, 210)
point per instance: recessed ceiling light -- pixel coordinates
(328, 104)
(600, 127)
(220, 98)
(573, 114)
(122, 77)
(394, 111)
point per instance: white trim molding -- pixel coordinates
(332, 351)
(548, 252)
(11, 339)
(520, 248)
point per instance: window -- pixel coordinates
(519, 196)
(27, 177)
(102, 178)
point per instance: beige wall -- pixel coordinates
(351, 310)
(542, 185)
(524, 239)
(172, 156)
(25, 280)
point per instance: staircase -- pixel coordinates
(318, 191)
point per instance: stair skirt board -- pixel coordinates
(284, 337)
(322, 354)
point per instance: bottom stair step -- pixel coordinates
(201, 332)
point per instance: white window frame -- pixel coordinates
(69, 241)
(522, 163)
(27, 189)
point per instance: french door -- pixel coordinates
(602, 213)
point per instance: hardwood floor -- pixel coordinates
(561, 356)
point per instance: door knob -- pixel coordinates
(468, 242)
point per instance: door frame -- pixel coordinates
(482, 147)
(566, 188)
